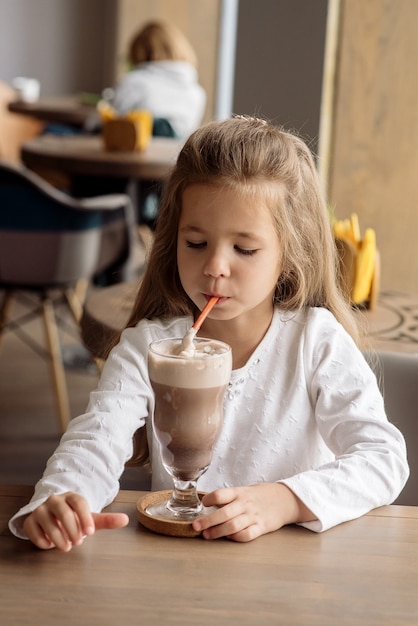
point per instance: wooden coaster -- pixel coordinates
(173, 528)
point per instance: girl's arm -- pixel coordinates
(92, 453)
(368, 467)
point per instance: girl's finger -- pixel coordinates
(219, 497)
(46, 539)
(58, 522)
(110, 521)
(84, 517)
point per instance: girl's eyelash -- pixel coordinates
(245, 251)
(201, 244)
(193, 244)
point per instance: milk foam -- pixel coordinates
(207, 365)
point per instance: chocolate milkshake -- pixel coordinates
(189, 387)
(189, 391)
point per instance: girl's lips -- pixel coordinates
(208, 296)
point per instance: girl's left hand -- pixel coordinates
(248, 512)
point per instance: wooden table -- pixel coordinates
(363, 572)
(391, 327)
(80, 165)
(60, 109)
(84, 155)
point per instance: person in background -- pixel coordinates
(163, 79)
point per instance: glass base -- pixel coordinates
(161, 510)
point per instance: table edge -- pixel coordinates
(127, 496)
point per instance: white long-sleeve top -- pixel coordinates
(305, 410)
(168, 89)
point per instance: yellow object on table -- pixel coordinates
(129, 132)
(359, 261)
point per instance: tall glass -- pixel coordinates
(189, 388)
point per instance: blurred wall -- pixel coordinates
(80, 45)
(68, 45)
(279, 62)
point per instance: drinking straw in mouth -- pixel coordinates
(187, 343)
(205, 312)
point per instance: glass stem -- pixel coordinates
(185, 499)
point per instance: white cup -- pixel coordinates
(27, 89)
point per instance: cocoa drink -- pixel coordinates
(189, 390)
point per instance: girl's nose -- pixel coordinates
(216, 266)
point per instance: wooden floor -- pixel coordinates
(29, 428)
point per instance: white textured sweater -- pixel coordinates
(305, 410)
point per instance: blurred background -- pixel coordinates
(270, 51)
(340, 72)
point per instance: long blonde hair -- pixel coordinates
(238, 153)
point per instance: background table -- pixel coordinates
(393, 325)
(84, 155)
(80, 165)
(362, 572)
(60, 109)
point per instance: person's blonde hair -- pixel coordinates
(160, 41)
(249, 154)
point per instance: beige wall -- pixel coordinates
(198, 19)
(374, 154)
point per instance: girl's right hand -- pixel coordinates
(63, 521)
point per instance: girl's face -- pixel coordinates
(228, 247)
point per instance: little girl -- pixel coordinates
(305, 437)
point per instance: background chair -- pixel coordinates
(52, 245)
(398, 377)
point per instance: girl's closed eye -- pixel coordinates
(246, 251)
(196, 244)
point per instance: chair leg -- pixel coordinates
(76, 297)
(5, 310)
(58, 373)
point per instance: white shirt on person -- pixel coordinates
(305, 410)
(167, 89)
